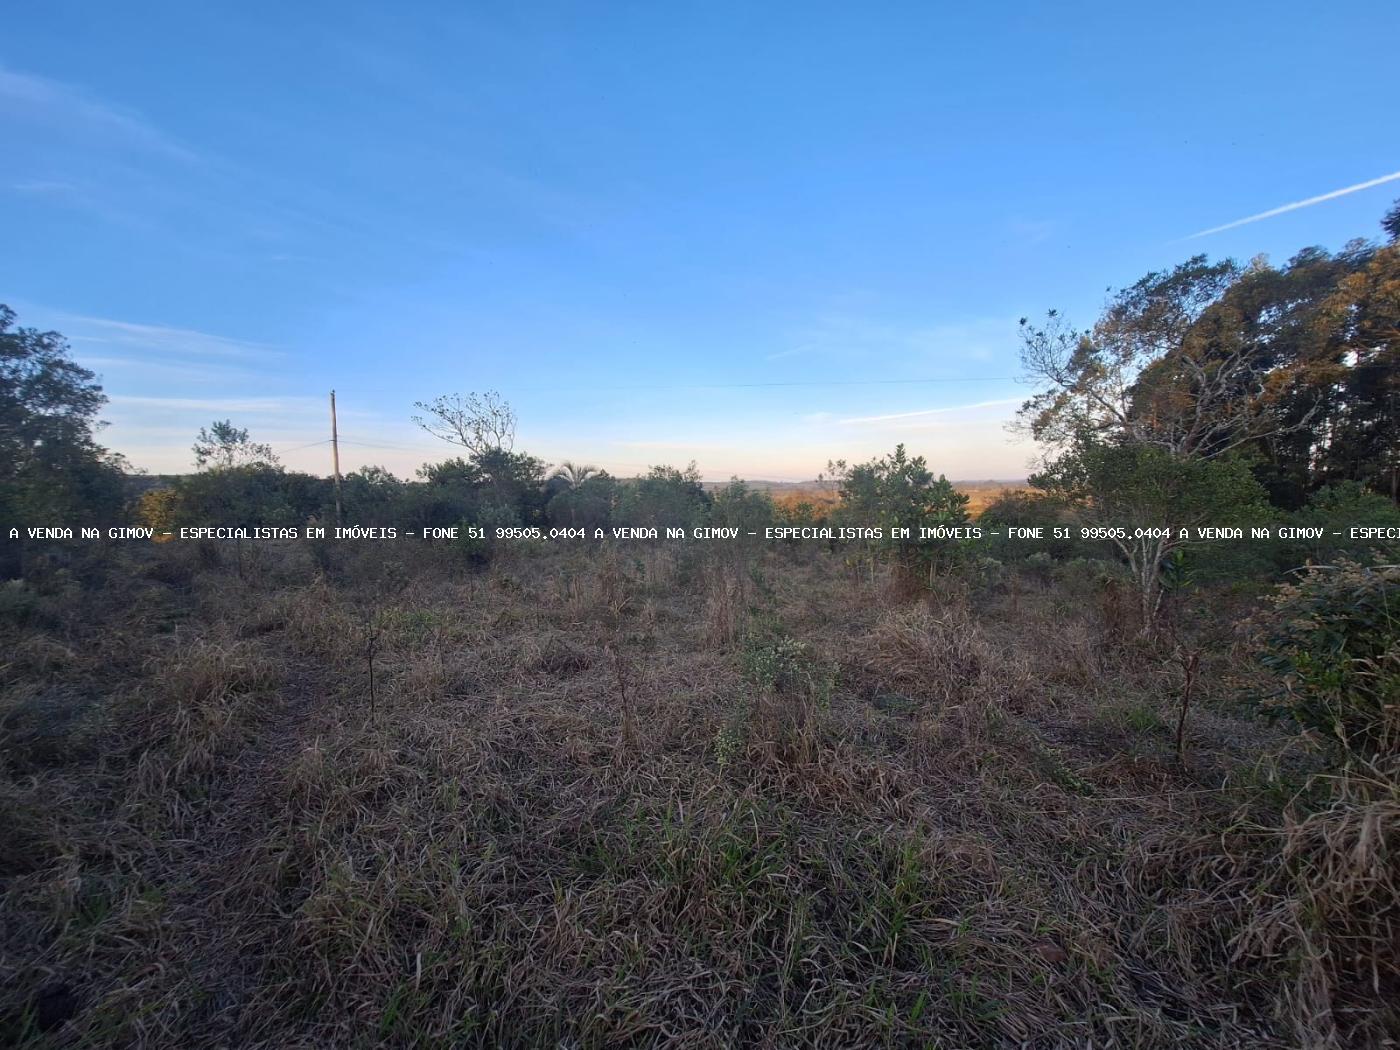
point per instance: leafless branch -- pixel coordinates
(478, 422)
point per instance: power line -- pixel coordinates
(380, 444)
(298, 448)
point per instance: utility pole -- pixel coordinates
(335, 459)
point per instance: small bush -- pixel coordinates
(784, 665)
(1082, 577)
(1333, 638)
(478, 546)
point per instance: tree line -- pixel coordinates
(1209, 393)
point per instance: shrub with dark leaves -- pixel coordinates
(1333, 638)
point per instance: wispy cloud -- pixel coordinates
(841, 335)
(44, 187)
(784, 354)
(1308, 203)
(201, 372)
(69, 109)
(162, 338)
(262, 405)
(927, 412)
(98, 197)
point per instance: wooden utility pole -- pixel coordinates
(335, 459)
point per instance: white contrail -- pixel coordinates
(1299, 204)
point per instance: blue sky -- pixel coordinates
(662, 231)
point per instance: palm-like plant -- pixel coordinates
(574, 474)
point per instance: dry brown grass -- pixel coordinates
(652, 798)
(1315, 909)
(980, 495)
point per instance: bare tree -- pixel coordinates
(480, 423)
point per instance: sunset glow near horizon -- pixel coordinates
(756, 238)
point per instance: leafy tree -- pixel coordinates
(898, 491)
(1299, 367)
(52, 470)
(448, 495)
(507, 487)
(1278, 313)
(738, 506)
(512, 480)
(252, 495)
(372, 496)
(240, 482)
(1157, 499)
(1183, 360)
(450, 473)
(1360, 328)
(1335, 508)
(664, 496)
(1391, 223)
(1295, 370)
(581, 497)
(224, 446)
(1097, 381)
(442, 496)
(494, 483)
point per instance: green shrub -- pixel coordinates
(1087, 576)
(1031, 510)
(786, 666)
(1333, 638)
(1335, 508)
(741, 507)
(476, 546)
(900, 492)
(664, 496)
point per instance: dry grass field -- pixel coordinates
(659, 796)
(980, 494)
